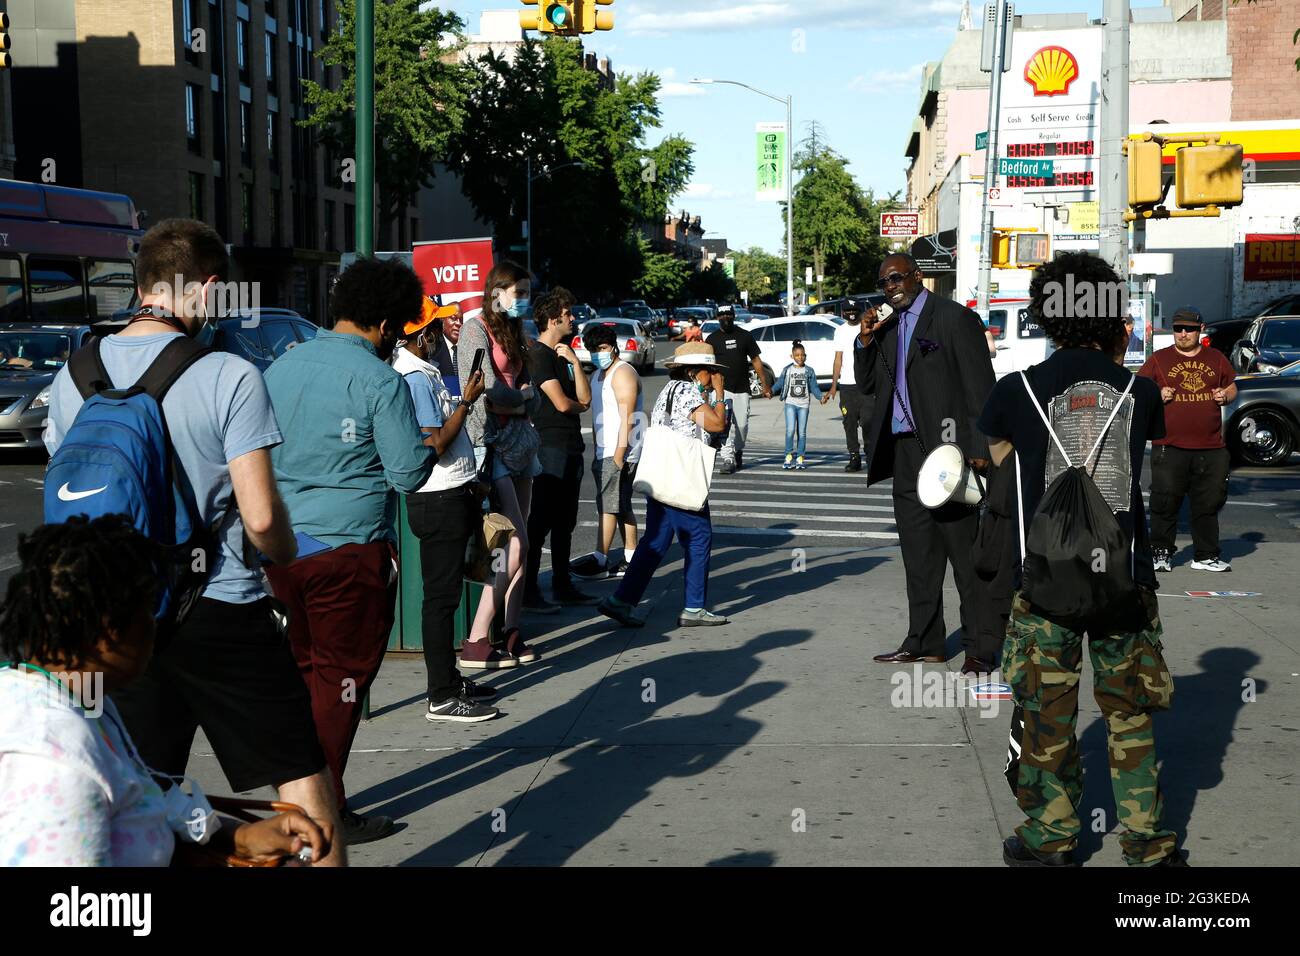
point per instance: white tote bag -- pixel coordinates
(674, 470)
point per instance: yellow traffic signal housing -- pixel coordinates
(6, 60)
(590, 19)
(1144, 173)
(1001, 251)
(1208, 176)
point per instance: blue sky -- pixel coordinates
(853, 66)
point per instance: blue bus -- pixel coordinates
(66, 255)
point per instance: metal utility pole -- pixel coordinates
(1114, 130)
(364, 241)
(528, 214)
(998, 66)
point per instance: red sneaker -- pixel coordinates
(517, 649)
(483, 656)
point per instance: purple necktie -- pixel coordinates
(901, 398)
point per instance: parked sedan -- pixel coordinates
(1268, 345)
(30, 357)
(1262, 425)
(636, 344)
(776, 337)
(685, 315)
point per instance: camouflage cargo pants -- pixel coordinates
(1042, 663)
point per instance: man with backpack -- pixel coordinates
(189, 461)
(1075, 428)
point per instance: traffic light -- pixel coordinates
(1144, 168)
(1207, 176)
(6, 60)
(591, 19)
(1001, 251)
(551, 16)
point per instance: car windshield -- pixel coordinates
(709, 327)
(1280, 334)
(1292, 370)
(36, 350)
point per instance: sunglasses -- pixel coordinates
(894, 278)
(1187, 328)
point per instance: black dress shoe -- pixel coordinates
(906, 657)
(855, 463)
(1174, 859)
(973, 666)
(1015, 853)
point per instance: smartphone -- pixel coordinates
(478, 361)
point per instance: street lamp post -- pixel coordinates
(528, 221)
(789, 181)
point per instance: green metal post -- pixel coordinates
(364, 241)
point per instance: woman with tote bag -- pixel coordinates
(674, 473)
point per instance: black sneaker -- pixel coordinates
(570, 597)
(536, 604)
(855, 463)
(1174, 859)
(588, 568)
(1015, 853)
(462, 710)
(473, 691)
(727, 467)
(616, 569)
(359, 829)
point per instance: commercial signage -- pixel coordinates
(770, 162)
(1024, 167)
(936, 252)
(1085, 217)
(1271, 258)
(900, 225)
(1051, 109)
(454, 270)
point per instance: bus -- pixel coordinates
(66, 255)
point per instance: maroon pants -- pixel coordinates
(340, 606)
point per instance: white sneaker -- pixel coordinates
(1161, 561)
(1211, 564)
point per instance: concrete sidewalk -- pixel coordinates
(712, 746)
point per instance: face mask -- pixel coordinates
(189, 815)
(726, 323)
(518, 309)
(604, 359)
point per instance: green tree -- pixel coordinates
(831, 218)
(759, 273)
(712, 283)
(663, 277)
(419, 96)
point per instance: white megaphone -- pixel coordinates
(945, 476)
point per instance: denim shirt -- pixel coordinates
(351, 438)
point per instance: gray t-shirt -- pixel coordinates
(217, 411)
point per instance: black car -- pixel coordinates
(1268, 345)
(1225, 334)
(1262, 424)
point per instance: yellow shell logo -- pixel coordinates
(1051, 70)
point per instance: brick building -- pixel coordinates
(191, 107)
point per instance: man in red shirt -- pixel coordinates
(1191, 460)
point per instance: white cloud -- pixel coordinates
(881, 80)
(732, 16)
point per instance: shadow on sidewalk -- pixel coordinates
(1192, 739)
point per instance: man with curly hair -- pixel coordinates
(351, 438)
(1080, 303)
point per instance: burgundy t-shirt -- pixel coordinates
(1193, 419)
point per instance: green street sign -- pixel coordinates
(982, 140)
(1039, 168)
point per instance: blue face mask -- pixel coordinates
(519, 309)
(603, 359)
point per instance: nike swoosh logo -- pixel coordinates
(66, 495)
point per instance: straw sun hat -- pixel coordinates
(693, 354)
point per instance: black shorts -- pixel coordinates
(229, 670)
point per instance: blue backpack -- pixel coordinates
(117, 458)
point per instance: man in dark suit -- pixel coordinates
(929, 367)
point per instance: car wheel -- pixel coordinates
(1263, 437)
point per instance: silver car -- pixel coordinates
(636, 345)
(30, 356)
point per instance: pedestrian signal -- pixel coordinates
(592, 19)
(1001, 252)
(6, 61)
(1144, 187)
(1208, 176)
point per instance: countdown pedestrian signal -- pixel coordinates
(566, 17)
(6, 61)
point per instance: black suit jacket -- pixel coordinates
(949, 383)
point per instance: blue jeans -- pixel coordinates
(796, 417)
(693, 529)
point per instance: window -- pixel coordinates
(817, 332)
(246, 213)
(189, 21)
(786, 331)
(270, 62)
(192, 119)
(216, 40)
(241, 48)
(12, 305)
(321, 20)
(56, 289)
(329, 225)
(246, 342)
(246, 133)
(112, 282)
(272, 154)
(38, 351)
(278, 336)
(196, 197)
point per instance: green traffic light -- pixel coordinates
(557, 14)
